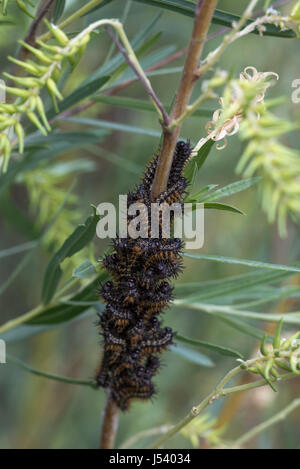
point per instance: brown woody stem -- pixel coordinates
(143, 79)
(110, 424)
(203, 16)
(43, 10)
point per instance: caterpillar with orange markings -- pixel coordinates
(141, 269)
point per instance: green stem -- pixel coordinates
(34, 312)
(196, 410)
(217, 393)
(214, 56)
(190, 109)
(254, 384)
(268, 423)
(144, 434)
(21, 319)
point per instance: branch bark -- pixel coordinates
(110, 424)
(43, 10)
(203, 16)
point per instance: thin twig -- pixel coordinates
(219, 392)
(43, 10)
(144, 434)
(159, 64)
(142, 77)
(203, 16)
(230, 408)
(280, 416)
(110, 424)
(116, 89)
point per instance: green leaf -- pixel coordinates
(289, 318)
(82, 235)
(11, 277)
(231, 189)
(192, 355)
(264, 296)
(201, 193)
(222, 18)
(113, 126)
(225, 207)
(65, 312)
(246, 262)
(17, 249)
(228, 286)
(51, 376)
(277, 335)
(215, 348)
(141, 105)
(83, 91)
(226, 19)
(103, 4)
(58, 10)
(84, 270)
(62, 168)
(198, 161)
(243, 327)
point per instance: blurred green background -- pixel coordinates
(38, 413)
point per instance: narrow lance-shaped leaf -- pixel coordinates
(113, 126)
(76, 306)
(44, 374)
(213, 347)
(192, 355)
(58, 10)
(245, 262)
(198, 160)
(223, 207)
(84, 270)
(83, 91)
(231, 189)
(81, 236)
(187, 8)
(141, 104)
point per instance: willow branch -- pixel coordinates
(219, 392)
(203, 16)
(109, 424)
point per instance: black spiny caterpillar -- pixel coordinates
(138, 294)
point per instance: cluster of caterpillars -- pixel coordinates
(133, 336)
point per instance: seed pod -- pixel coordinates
(59, 35)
